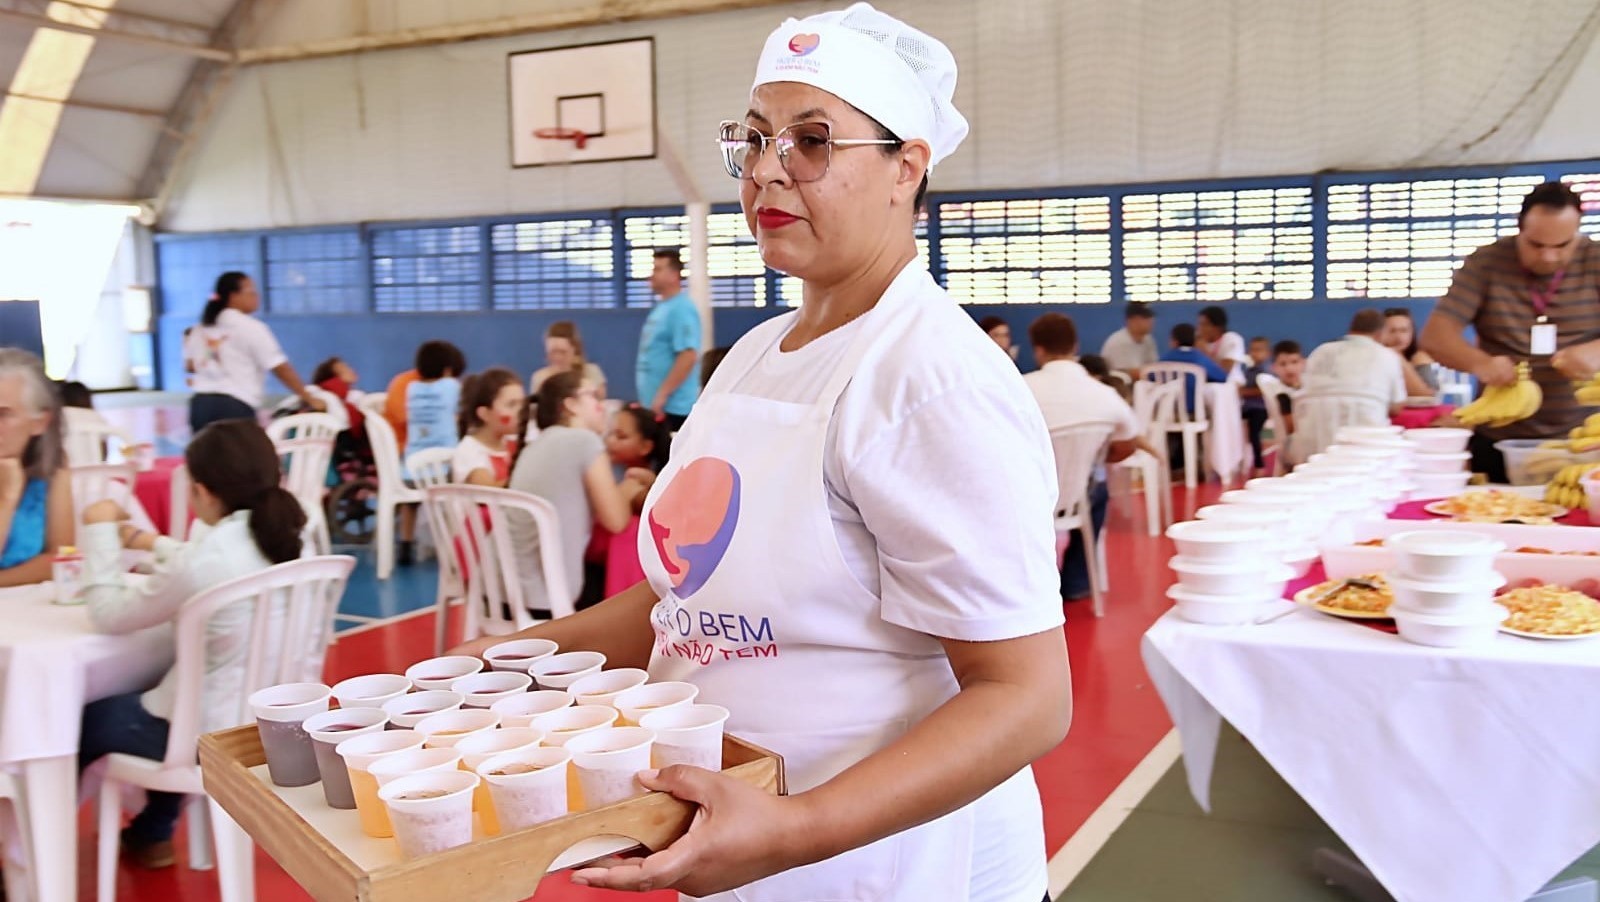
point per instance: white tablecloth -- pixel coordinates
(1459, 774)
(1227, 451)
(52, 662)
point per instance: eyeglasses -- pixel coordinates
(805, 149)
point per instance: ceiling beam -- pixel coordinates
(603, 13)
(93, 105)
(197, 102)
(31, 12)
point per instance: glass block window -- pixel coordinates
(1404, 239)
(1248, 244)
(738, 277)
(553, 264)
(315, 272)
(429, 269)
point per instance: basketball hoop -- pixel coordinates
(576, 135)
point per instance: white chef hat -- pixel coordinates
(883, 67)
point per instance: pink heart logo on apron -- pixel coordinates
(693, 522)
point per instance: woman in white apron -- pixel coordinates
(852, 548)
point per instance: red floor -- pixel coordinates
(1117, 717)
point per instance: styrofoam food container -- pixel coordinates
(1442, 462)
(1248, 577)
(1270, 495)
(1443, 555)
(1217, 610)
(1347, 433)
(1299, 558)
(1439, 439)
(1430, 486)
(1361, 453)
(1450, 631)
(1215, 540)
(1248, 515)
(1461, 599)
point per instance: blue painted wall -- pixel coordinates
(19, 326)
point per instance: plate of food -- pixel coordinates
(1496, 506)
(1550, 612)
(1365, 597)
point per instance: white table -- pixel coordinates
(1460, 774)
(52, 662)
(1227, 451)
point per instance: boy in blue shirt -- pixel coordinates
(669, 344)
(1184, 351)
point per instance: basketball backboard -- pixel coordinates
(607, 91)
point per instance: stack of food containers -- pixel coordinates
(1444, 587)
(1223, 579)
(1298, 516)
(1441, 461)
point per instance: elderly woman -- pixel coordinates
(35, 486)
(872, 600)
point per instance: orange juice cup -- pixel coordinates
(563, 725)
(415, 761)
(518, 710)
(602, 688)
(431, 811)
(561, 671)
(482, 690)
(439, 673)
(479, 748)
(519, 654)
(359, 754)
(407, 711)
(608, 763)
(641, 700)
(688, 734)
(528, 787)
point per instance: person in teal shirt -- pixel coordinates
(670, 344)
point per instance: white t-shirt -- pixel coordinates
(940, 480)
(1068, 395)
(1356, 365)
(472, 454)
(1231, 346)
(1122, 352)
(233, 356)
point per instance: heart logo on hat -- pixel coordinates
(803, 44)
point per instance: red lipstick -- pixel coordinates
(770, 218)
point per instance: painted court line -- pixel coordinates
(371, 624)
(1069, 862)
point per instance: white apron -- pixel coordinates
(762, 613)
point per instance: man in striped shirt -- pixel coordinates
(1548, 274)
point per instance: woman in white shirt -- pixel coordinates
(231, 353)
(563, 352)
(491, 409)
(870, 599)
(247, 524)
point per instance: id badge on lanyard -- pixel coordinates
(1542, 337)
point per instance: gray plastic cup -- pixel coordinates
(327, 730)
(281, 712)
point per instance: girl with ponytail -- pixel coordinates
(246, 523)
(231, 353)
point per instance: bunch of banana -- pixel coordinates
(1565, 489)
(1582, 438)
(1589, 392)
(1502, 405)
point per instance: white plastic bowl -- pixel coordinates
(1460, 599)
(1442, 462)
(1431, 486)
(1216, 541)
(1448, 631)
(1444, 555)
(1216, 610)
(1248, 577)
(1439, 439)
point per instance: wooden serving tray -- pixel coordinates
(325, 852)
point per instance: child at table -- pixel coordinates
(247, 523)
(35, 485)
(491, 412)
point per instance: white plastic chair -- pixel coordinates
(17, 854)
(431, 467)
(1272, 392)
(1078, 450)
(1178, 418)
(305, 442)
(103, 482)
(475, 522)
(372, 404)
(291, 615)
(1154, 470)
(392, 489)
(90, 440)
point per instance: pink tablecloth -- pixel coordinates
(153, 488)
(1420, 417)
(1413, 510)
